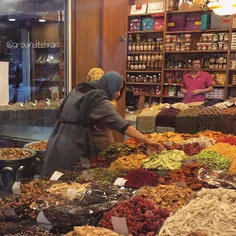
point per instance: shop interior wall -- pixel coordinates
(99, 40)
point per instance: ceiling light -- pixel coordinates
(42, 20)
(12, 19)
(223, 7)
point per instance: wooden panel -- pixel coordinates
(113, 49)
(87, 37)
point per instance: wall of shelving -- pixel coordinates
(159, 90)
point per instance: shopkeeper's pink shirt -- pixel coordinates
(202, 81)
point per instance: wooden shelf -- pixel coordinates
(164, 96)
(47, 64)
(232, 69)
(200, 11)
(196, 31)
(145, 31)
(231, 85)
(218, 86)
(142, 52)
(143, 71)
(143, 83)
(148, 14)
(197, 51)
(155, 96)
(188, 69)
(233, 50)
(171, 84)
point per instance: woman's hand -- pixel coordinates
(156, 147)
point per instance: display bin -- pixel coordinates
(187, 124)
(49, 117)
(2, 117)
(166, 121)
(228, 123)
(22, 117)
(10, 117)
(161, 129)
(36, 117)
(209, 122)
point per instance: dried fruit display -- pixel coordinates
(190, 149)
(141, 177)
(190, 112)
(32, 231)
(166, 160)
(213, 160)
(228, 139)
(37, 186)
(39, 146)
(127, 163)
(118, 150)
(143, 218)
(212, 134)
(93, 231)
(166, 137)
(188, 175)
(224, 149)
(212, 212)
(210, 118)
(166, 196)
(203, 142)
(181, 106)
(13, 153)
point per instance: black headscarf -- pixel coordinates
(104, 88)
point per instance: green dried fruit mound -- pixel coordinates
(213, 160)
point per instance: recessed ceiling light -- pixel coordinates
(12, 19)
(42, 20)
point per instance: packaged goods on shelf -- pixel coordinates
(216, 94)
(218, 22)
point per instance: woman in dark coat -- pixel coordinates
(86, 106)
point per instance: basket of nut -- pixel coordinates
(16, 157)
(39, 147)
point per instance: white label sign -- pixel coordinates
(120, 225)
(44, 222)
(4, 83)
(56, 176)
(16, 188)
(120, 182)
(155, 7)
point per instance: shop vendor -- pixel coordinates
(197, 83)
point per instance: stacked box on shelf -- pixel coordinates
(146, 120)
(187, 120)
(219, 22)
(233, 41)
(228, 120)
(209, 119)
(216, 93)
(167, 117)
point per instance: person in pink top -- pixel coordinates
(196, 83)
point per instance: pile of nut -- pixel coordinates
(13, 153)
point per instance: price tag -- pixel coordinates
(198, 22)
(120, 225)
(171, 24)
(84, 162)
(56, 176)
(120, 182)
(44, 222)
(10, 212)
(87, 175)
(16, 188)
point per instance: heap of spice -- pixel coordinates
(188, 175)
(212, 134)
(166, 196)
(128, 163)
(141, 177)
(143, 218)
